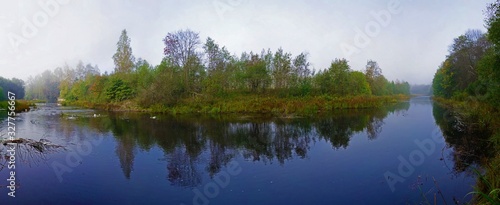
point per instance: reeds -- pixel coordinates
(483, 117)
(487, 190)
(258, 104)
(20, 106)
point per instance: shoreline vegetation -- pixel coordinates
(21, 106)
(204, 77)
(468, 83)
(479, 117)
(196, 77)
(255, 104)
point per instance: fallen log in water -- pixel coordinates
(42, 145)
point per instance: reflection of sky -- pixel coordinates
(343, 175)
(326, 175)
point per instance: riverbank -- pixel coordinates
(481, 116)
(21, 105)
(253, 104)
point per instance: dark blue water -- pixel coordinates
(393, 155)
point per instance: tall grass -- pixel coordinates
(255, 104)
(487, 190)
(279, 106)
(20, 106)
(483, 116)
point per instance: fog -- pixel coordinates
(408, 39)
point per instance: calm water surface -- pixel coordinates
(394, 155)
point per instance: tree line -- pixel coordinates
(192, 69)
(13, 85)
(469, 81)
(471, 69)
(51, 84)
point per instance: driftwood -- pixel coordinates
(27, 150)
(42, 146)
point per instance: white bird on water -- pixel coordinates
(154, 117)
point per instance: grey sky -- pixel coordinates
(408, 46)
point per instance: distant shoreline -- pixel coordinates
(253, 105)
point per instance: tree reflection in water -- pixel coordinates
(469, 140)
(193, 145)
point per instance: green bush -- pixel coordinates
(118, 91)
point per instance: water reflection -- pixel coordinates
(195, 145)
(346, 153)
(468, 140)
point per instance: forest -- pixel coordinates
(11, 85)
(470, 71)
(207, 73)
(468, 82)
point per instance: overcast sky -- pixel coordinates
(408, 38)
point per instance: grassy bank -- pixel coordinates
(254, 104)
(21, 105)
(484, 117)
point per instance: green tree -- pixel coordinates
(487, 87)
(68, 78)
(488, 71)
(465, 71)
(118, 90)
(323, 81)
(358, 84)
(256, 74)
(181, 51)
(123, 58)
(217, 66)
(96, 87)
(465, 52)
(281, 69)
(13, 85)
(166, 88)
(442, 81)
(301, 84)
(493, 22)
(144, 74)
(339, 70)
(378, 83)
(301, 66)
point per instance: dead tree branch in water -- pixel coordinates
(28, 150)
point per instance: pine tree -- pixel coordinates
(123, 58)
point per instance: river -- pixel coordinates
(393, 155)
